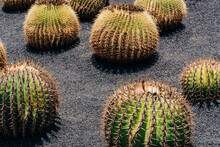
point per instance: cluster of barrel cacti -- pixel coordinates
(146, 113)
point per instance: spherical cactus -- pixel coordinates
(147, 114)
(29, 100)
(17, 4)
(3, 57)
(124, 33)
(168, 13)
(51, 24)
(88, 9)
(200, 81)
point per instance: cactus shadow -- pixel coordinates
(84, 20)
(206, 104)
(13, 11)
(54, 50)
(35, 140)
(117, 68)
(173, 31)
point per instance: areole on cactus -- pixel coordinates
(51, 24)
(147, 113)
(200, 81)
(29, 100)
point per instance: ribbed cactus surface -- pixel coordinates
(200, 80)
(147, 114)
(28, 100)
(3, 56)
(51, 24)
(17, 4)
(168, 13)
(88, 9)
(124, 33)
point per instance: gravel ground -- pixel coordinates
(85, 81)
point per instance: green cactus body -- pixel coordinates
(168, 13)
(17, 4)
(124, 33)
(200, 81)
(3, 57)
(28, 100)
(51, 24)
(147, 114)
(88, 9)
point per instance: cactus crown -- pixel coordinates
(200, 80)
(54, 2)
(147, 113)
(126, 7)
(29, 100)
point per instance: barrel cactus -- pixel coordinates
(200, 81)
(124, 33)
(147, 114)
(51, 24)
(168, 13)
(17, 4)
(29, 100)
(3, 57)
(88, 9)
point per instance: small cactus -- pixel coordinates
(168, 13)
(28, 100)
(124, 33)
(147, 114)
(17, 4)
(200, 81)
(51, 24)
(88, 9)
(3, 57)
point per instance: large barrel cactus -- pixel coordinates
(51, 24)
(147, 114)
(88, 9)
(29, 100)
(168, 13)
(200, 80)
(124, 33)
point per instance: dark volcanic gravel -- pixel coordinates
(85, 81)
